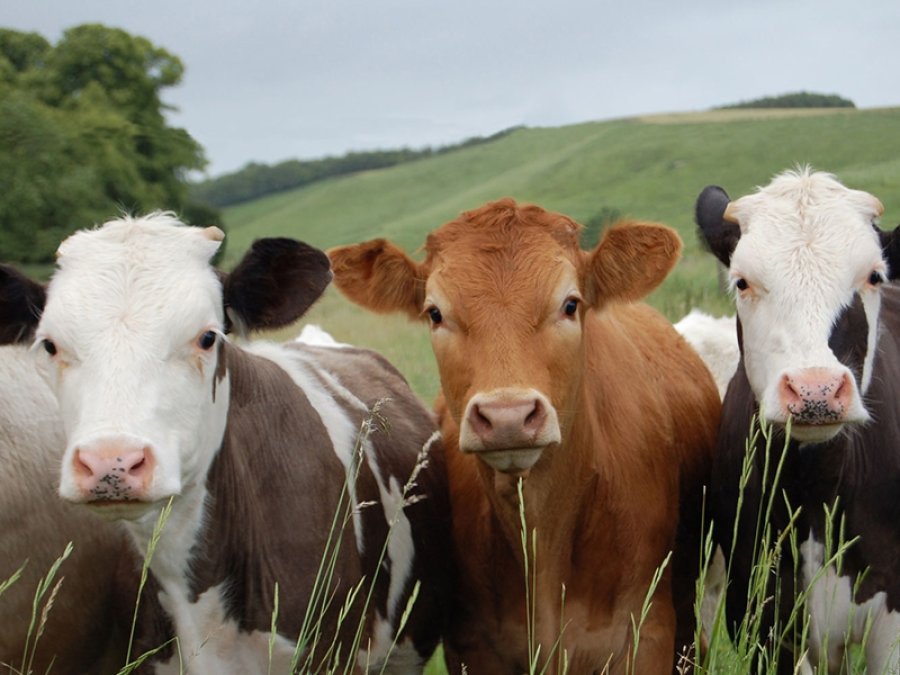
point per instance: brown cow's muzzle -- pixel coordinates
(509, 428)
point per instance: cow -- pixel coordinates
(301, 489)
(818, 325)
(82, 631)
(555, 382)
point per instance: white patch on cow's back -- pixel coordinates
(715, 340)
(835, 618)
(211, 643)
(313, 334)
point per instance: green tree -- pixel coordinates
(83, 135)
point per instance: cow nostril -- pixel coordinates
(481, 420)
(536, 417)
(138, 466)
(81, 467)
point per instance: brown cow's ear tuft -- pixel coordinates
(21, 305)
(275, 283)
(630, 261)
(379, 276)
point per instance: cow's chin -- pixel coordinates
(513, 461)
(124, 509)
(815, 433)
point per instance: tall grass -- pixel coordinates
(749, 649)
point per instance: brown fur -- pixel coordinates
(637, 410)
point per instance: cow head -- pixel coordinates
(805, 263)
(505, 289)
(132, 336)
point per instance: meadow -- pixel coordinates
(649, 168)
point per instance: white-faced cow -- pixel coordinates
(550, 373)
(253, 445)
(818, 327)
(84, 629)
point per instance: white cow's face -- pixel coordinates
(131, 327)
(131, 335)
(806, 272)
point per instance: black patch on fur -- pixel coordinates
(21, 304)
(849, 337)
(718, 235)
(890, 247)
(276, 282)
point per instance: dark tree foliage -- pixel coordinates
(801, 99)
(83, 135)
(257, 180)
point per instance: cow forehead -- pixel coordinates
(503, 250)
(148, 274)
(805, 231)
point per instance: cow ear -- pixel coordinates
(21, 305)
(631, 260)
(379, 276)
(718, 231)
(890, 247)
(275, 283)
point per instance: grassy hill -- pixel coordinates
(650, 168)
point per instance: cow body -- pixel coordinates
(81, 634)
(549, 376)
(275, 458)
(815, 311)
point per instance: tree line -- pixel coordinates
(800, 99)
(83, 137)
(257, 180)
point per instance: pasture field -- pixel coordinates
(649, 168)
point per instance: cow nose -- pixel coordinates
(816, 395)
(508, 424)
(113, 472)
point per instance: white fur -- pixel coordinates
(715, 340)
(210, 643)
(313, 334)
(807, 246)
(835, 618)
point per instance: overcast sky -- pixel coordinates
(268, 80)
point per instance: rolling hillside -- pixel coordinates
(649, 168)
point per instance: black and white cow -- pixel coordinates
(253, 444)
(819, 334)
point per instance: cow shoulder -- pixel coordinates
(379, 276)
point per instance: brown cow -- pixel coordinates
(551, 374)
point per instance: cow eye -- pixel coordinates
(435, 315)
(207, 340)
(570, 306)
(49, 347)
(876, 278)
(741, 284)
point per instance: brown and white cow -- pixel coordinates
(253, 445)
(84, 630)
(819, 335)
(552, 374)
